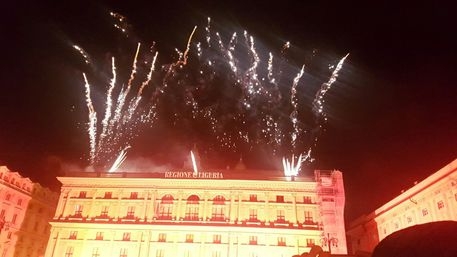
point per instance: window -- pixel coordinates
(126, 236)
(280, 216)
(78, 210)
(308, 217)
(69, 251)
(440, 205)
(252, 240)
(281, 241)
(253, 214)
(19, 201)
(216, 254)
(192, 208)
(216, 239)
(9, 235)
(409, 219)
(99, 236)
(218, 213)
(309, 242)
(2, 213)
(95, 252)
(13, 220)
(123, 252)
(82, 194)
(8, 197)
(219, 199)
(73, 235)
(424, 212)
(166, 207)
(134, 195)
(108, 195)
(104, 211)
(279, 198)
(307, 199)
(130, 212)
(253, 198)
(162, 237)
(159, 253)
(189, 238)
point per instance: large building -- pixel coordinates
(25, 211)
(433, 199)
(206, 214)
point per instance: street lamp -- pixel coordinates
(327, 240)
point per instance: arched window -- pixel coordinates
(165, 207)
(218, 212)
(192, 208)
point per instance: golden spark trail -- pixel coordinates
(294, 103)
(92, 130)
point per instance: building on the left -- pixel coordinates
(25, 211)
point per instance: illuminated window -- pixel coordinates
(280, 216)
(130, 212)
(307, 199)
(82, 194)
(253, 198)
(218, 212)
(189, 238)
(8, 197)
(424, 212)
(13, 220)
(309, 242)
(252, 240)
(159, 253)
(78, 210)
(73, 235)
(123, 252)
(19, 201)
(126, 236)
(99, 236)
(104, 211)
(281, 241)
(216, 254)
(279, 198)
(308, 217)
(192, 208)
(440, 205)
(253, 214)
(108, 195)
(216, 239)
(162, 237)
(133, 195)
(95, 252)
(69, 251)
(166, 207)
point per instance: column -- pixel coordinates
(294, 201)
(146, 205)
(205, 206)
(63, 198)
(92, 203)
(118, 210)
(231, 210)
(52, 243)
(267, 208)
(178, 211)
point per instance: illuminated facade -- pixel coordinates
(209, 214)
(433, 199)
(25, 211)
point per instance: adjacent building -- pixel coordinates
(25, 211)
(433, 199)
(227, 213)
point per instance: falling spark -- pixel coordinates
(119, 160)
(194, 163)
(83, 53)
(92, 128)
(294, 103)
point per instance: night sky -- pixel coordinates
(391, 114)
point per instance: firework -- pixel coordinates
(226, 94)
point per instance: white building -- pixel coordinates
(433, 199)
(25, 211)
(208, 214)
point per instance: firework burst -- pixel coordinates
(223, 93)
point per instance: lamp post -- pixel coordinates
(327, 240)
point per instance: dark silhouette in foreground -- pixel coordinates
(435, 239)
(316, 251)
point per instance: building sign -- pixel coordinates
(190, 174)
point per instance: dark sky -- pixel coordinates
(391, 114)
